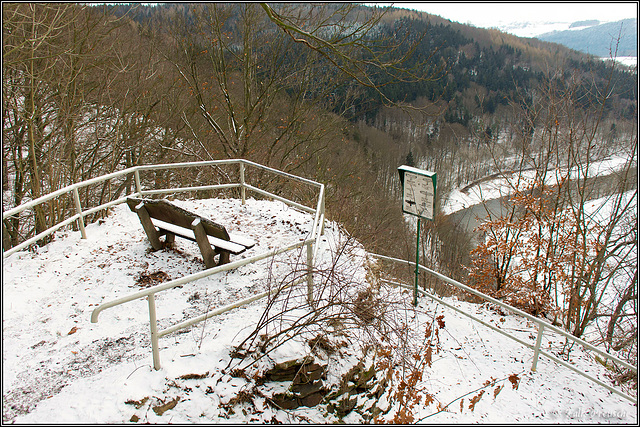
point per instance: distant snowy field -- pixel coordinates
(629, 61)
(534, 29)
(60, 368)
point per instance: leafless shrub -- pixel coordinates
(349, 305)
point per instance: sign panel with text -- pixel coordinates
(418, 191)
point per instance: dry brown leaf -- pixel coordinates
(161, 409)
(475, 399)
(515, 381)
(497, 391)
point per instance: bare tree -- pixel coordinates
(348, 36)
(253, 92)
(31, 52)
(559, 252)
(66, 105)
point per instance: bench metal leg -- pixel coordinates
(203, 243)
(152, 233)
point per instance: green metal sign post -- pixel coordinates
(418, 199)
(415, 285)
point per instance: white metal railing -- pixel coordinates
(312, 242)
(150, 293)
(541, 324)
(135, 173)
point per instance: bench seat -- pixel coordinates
(228, 245)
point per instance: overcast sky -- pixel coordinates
(487, 14)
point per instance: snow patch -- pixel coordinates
(60, 368)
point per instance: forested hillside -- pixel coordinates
(338, 93)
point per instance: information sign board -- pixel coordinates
(418, 191)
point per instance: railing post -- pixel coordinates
(536, 350)
(76, 199)
(415, 287)
(310, 275)
(153, 324)
(242, 189)
(322, 212)
(136, 176)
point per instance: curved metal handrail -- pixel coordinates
(541, 324)
(135, 171)
(312, 239)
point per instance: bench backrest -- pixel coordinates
(168, 212)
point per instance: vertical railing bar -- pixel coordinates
(153, 325)
(76, 199)
(242, 186)
(322, 210)
(136, 175)
(310, 256)
(318, 220)
(536, 350)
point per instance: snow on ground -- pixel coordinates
(60, 368)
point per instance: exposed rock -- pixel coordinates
(301, 371)
(313, 399)
(307, 388)
(345, 406)
(285, 400)
(304, 390)
(295, 363)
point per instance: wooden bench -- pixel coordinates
(163, 218)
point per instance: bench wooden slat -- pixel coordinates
(242, 240)
(167, 211)
(233, 247)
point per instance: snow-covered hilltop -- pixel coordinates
(60, 368)
(532, 29)
(537, 28)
